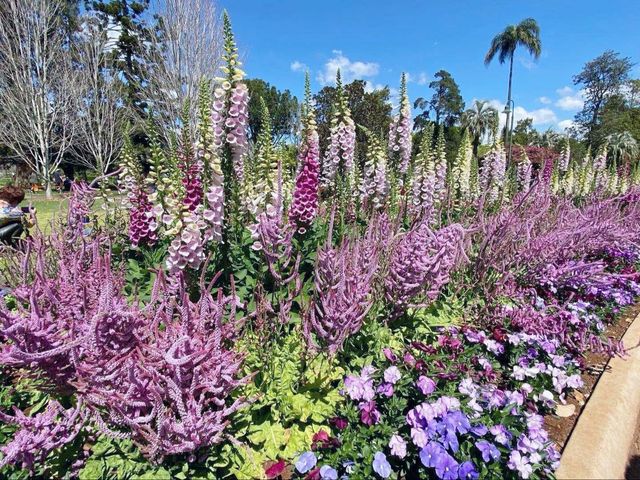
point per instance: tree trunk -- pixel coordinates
(509, 112)
(48, 195)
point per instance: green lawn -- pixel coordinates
(47, 210)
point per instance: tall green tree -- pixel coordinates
(481, 120)
(446, 103)
(525, 34)
(368, 109)
(127, 18)
(282, 106)
(524, 134)
(600, 79)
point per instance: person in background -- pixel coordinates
(10, 198)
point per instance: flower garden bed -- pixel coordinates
(259, 314)
(560, 428)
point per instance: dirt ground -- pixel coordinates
(560, 428)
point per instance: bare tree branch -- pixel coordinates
(36, 85)
(102, 114)
(187, 46)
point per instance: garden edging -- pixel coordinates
(600, 443)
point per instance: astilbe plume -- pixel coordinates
(40, 434)
(375, 185)
(159, 374)
(343, 282)
(420, 264)
(304, 205)
(539, 230)
(342, 140)
(400, 132)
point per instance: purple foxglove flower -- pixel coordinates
(398, 446)
(306, 462)
(381, 466)
(304, 205)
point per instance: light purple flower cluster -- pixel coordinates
(161, 374)
(342, 140)
(493, 172)
(40, 434)
(187, 249)
(230, 118)
(343, 282)
(421, 263)
(400, 131)
(375, 185)
(565, 157)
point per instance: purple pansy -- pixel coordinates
(306, 462)
(381, 466)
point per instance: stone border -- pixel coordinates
(601, 440)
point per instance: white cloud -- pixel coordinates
(564, 124)
(540, 116)
(421, 78)
(545, 100)
(570, 102)
(564, 91)
(527, 63)
(348, 69)
(297, 66)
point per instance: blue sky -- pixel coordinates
(376, 40)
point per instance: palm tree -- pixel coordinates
(525, 34)
(622, 145)
(481, 119)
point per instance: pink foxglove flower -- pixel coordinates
(187, 250)
(375, 185)
(304, 205)
(400, 132)
(338, 159)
